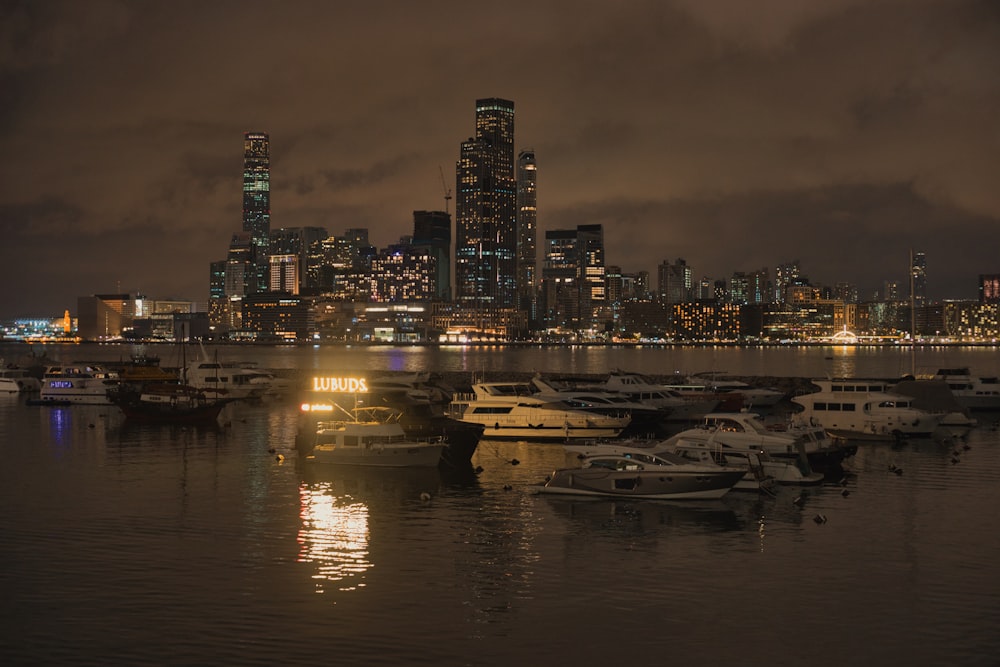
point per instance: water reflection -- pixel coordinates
(337, 506)
(643, 517)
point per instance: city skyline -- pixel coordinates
(841, 134)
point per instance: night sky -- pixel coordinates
(734, 135)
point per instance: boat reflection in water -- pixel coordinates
(336, 509)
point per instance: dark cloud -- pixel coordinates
(735, 135)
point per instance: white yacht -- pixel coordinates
(374, 437)
(83, 384)
(860, 409)
(17, 380)
(971, 392)
(228, 380)
(511, 411)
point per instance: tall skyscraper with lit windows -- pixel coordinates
(257, 207)
(486, 212)
(527, 233)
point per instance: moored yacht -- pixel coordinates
(971, 392)
(16, 380)
(861, 409)
(642, 475)
(510, 411)
(642, 389)
(373, 437)
(83, 384)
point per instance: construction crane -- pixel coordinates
(447, 190)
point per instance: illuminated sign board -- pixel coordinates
(343, 385)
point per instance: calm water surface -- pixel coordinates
(157, 545)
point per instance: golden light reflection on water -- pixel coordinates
(334, 537)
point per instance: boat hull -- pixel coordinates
(647, 485)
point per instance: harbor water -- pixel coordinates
(132, 544)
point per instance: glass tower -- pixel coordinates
(527, 224)
(486, 212)
(257, 207)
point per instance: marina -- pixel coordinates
(178, 544)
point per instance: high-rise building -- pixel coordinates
(432, 231)
(784, 275)
(257, 206)
(527, 232)
(918, 278)
(306, 244)
(675, 282)
(989, 288)
(486, 213)
(284, 273)
(574, 278)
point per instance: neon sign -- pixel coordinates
(344, 385)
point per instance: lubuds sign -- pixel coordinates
(343, 385)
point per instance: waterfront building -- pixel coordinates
(104, 316)
(706, 321)
(276, 316)
(527, 230)
(486, 214)
(432, 233)
(573, 279)
(257, 207)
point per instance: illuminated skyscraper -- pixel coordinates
(486, 212)
(257, 207)
(527, 231)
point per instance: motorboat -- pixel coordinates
(755, 477)
(972, 392)
(15, 380)
(510, 411)
(167, 403)
(863, 409)
(373, 437)
(758, 463)
(78, 384)
(641, 475)
(791, 439)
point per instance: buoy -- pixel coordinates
(507, 487)
(798, 501)
(954, 460)
(820, 518)
(279, 458)
(478, 469)
(845, 493)
(514, 462)
(271, 450)
(425, 496)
